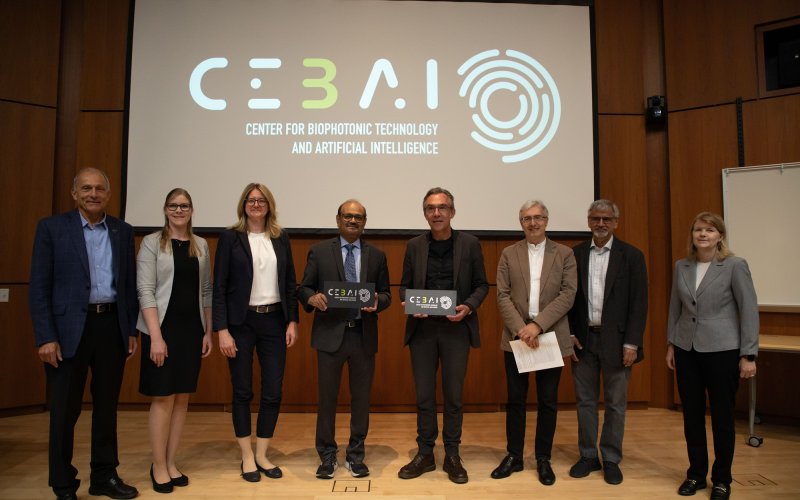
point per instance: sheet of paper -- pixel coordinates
(547, 355)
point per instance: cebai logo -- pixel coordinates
(484, 74)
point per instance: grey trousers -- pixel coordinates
(587, 373)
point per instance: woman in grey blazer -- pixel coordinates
(173, 283)
(713, 341)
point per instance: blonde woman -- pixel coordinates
(713, 342)
(174, 288)
(255, 309)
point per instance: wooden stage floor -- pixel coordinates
(654, 462)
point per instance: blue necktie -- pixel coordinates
(350, 275)
(350, 264)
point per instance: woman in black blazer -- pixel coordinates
(255, 308)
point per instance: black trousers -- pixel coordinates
(715, 374)
(546, 410)
(102, 350)
(361, 368)
(266, 334)
(439, 341)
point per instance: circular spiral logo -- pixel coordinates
(364, 295)
(445, 302)
(534, 126)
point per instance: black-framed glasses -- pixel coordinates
(256, 201)
(536, 218)
(352, 217)
(173, 207)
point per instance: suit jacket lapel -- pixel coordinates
(687, 273)
(582, 259)
(714, 270)
(422, 262)
(113, 237)
(524, 266)
(364, 263)
(336, 251)
(548, 259)
(456, 258)
(244, 240)
(75, 230)
(614, 263)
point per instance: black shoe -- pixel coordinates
(546, 474)
(611, 473)
(418, 465)
(509, 464)
(273, 473)
(252, 476)
(113, 487)
(455, 470)
(160, 487)
(327, 468)
(182, 480)
(690, 487)
(67, 496)
(721, 491)
(584, 467)
(357, 469)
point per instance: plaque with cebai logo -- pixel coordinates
(431, 302)
(349, 295)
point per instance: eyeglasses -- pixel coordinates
(256, 201)
(352, 217)
(173, 207)
(605, 220)
(536, 218)
(443, 209)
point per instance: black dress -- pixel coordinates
(182, 330)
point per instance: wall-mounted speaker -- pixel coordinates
(656, 110)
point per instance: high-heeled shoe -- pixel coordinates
(250, 477)
(160, 487)
(273, 473)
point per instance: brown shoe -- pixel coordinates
(455, 471)
(418, 465)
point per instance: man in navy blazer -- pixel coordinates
(84, 309)
(442, 259)
(607, 321)
(342, 335)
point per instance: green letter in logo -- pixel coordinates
(331, 92)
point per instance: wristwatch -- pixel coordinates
(749, 357)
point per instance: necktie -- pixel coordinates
(350, 275)
(350, 264)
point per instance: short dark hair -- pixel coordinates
(438, 190)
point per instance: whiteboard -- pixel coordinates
(762, 210)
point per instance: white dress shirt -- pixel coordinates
(535, 261)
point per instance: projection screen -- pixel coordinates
(325, 100)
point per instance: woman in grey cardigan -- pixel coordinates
(713, 342)
(174, 288)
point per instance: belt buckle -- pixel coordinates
(261, 309)
(350, 323)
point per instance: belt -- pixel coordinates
(102, 308)
(266, 309)
(595, 328)
(352, 323)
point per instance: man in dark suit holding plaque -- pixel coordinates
(607, 321)
(344, 335)
(442, 259)
(84, 309)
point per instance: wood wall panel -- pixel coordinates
(100, 146)
(104, 56)
(27, 136)
(701, 143)
(619, 56)
(771, 130)
(709, 52)
(29, 45)
(22, 382)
